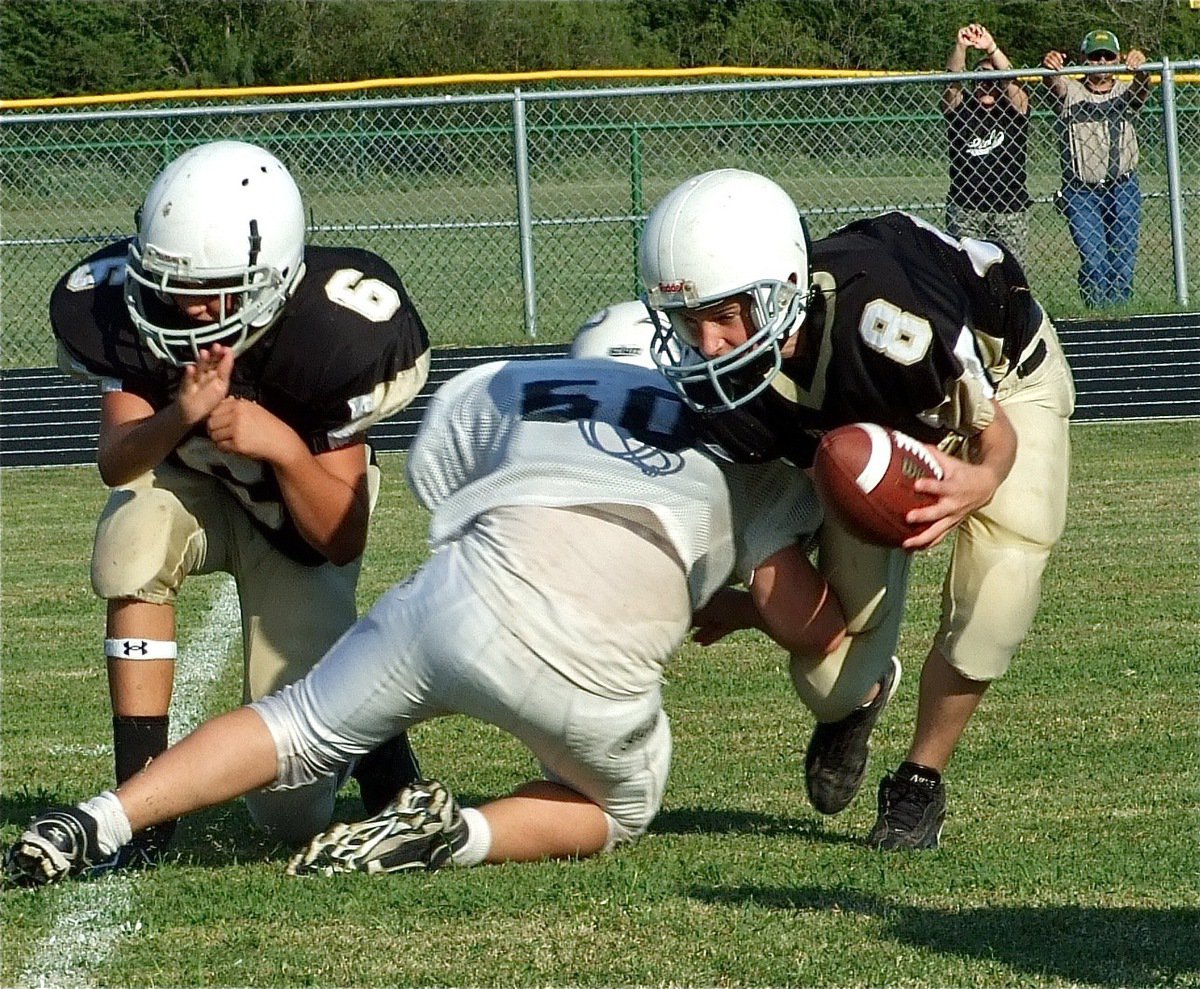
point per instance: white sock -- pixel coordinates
(112, 826)
(479, 838)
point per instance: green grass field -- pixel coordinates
(1068, 858)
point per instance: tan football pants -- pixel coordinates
(993, 584)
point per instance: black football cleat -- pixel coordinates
(911, 814)
(58, 843)
(836, 761)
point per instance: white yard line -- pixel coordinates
(93, 916)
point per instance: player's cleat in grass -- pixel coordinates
(57, 844)
(421, 829)
(911, 814)
(836, 762)
(145, 850)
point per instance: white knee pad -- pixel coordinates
(294, 815)
(146, 543)
(835, 686)
(619, 834)
(870, 583)
(630, 807)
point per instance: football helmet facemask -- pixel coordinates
(224, 220)
(722, 234)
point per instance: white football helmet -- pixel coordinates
(621, 332)
(224, 219)
(720, 234)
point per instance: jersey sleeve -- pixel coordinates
(351, 349)
(94, 336)
(951, 318)
(773, 505)
(460, 427)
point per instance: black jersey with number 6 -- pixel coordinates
(348, 350)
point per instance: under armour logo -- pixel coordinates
(129, 647)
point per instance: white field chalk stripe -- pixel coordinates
(93, 916)
(202, 661)
(81, 751)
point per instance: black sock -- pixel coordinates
(914, 772)
(385, 771)
(137, 740)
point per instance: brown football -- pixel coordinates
(864, 474)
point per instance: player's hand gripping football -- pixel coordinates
(962, 489)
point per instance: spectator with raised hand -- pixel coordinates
(1099, 156)
(987, 130)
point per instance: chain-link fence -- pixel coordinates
(517, 214)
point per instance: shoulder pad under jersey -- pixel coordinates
(91, 324)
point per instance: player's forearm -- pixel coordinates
(995, 448)
(331, 515)
(129, 449)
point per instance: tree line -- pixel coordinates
(79, 47)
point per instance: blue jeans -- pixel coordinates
(1104, 224)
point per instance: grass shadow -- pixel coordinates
(704, 820)
(1103, 946)
(21, 807)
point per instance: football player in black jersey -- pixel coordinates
(775, 340)
(240, 371)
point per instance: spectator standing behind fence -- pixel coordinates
(987, 129)
(1099, 151)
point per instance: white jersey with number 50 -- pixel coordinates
(572, 433)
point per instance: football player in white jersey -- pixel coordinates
(240, 371)
(575, 528)
(775, 340)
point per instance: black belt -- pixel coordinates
(1033, 361)
(1104, 186)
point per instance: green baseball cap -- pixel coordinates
(1100, 41)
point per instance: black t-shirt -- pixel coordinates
(347, 332)
(988, 156)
